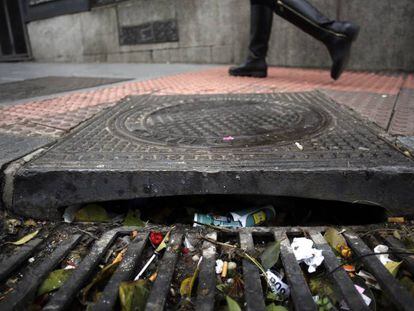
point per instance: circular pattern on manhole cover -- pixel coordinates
(222, 123)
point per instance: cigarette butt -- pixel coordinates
(153, 277)
(397, 220)
(225, 267)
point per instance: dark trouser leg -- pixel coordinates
(337, 36)
(261, 18)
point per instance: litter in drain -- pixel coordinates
(31, 275)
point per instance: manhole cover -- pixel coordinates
(222, 122)
(286, 144)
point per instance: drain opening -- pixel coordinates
(289, 211)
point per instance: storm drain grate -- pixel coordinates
(301, 297)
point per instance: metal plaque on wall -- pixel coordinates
(154, 32)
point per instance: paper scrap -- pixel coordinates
(305, 252)
(228, 138)
(384, 258)
(277, 285)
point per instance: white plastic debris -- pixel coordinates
(232, 265)
(361, 291)
(300, 147)
(277, 285)
(188, 244)
(370, 280)
(195, 258)
(384, 258)
(305, 252)
(31, 260)
(219, 266)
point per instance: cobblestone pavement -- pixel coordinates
(384, 98)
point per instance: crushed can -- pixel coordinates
(254, 216)
(213, 220)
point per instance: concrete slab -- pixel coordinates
(285, 144)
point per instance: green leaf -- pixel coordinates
(270, 256)
(133, 218)
(185, 287)
(54, 281)
(101, 277)
(25, 239)
(393, 267)
(92, 213)
(334, 239)
(133, 295)
(232, 304)
(273, 307)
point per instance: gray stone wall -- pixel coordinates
(217, 31)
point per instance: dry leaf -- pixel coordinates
(25, 239)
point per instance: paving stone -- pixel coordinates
(287, 144)
(402, 122)
(46, 86)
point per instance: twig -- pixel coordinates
(219, 243)
(88, 233)
(214, 227)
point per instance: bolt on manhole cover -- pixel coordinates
(216, 121)
(286, 144)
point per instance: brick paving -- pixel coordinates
(384, 98)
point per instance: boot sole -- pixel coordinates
(250, 74)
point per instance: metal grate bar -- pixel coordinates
(124, 272)
(62, 299)
(159, 291)
(9, 264)
(343, 282)
(392, 288)
(396, 245)
(301, 295)
(207, 276)
(27, 287)
(252, 284)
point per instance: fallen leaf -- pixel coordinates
(185, 289)
(133, 295)
(133, 218)
(92, 213)
(54, 281)
(273, 307)
(30, 223)
(270, 256)
(102, 276)
(396, 235)
(335, 240)
(25, 239)
(232, 304)
(393, 267)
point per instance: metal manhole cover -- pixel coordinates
(222, 122)
(284, 144)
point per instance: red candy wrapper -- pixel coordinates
(156, 238)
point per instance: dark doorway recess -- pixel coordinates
(13, 37)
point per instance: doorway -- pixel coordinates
(13, 37)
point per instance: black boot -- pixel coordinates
(260, 28)
(337, 36)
